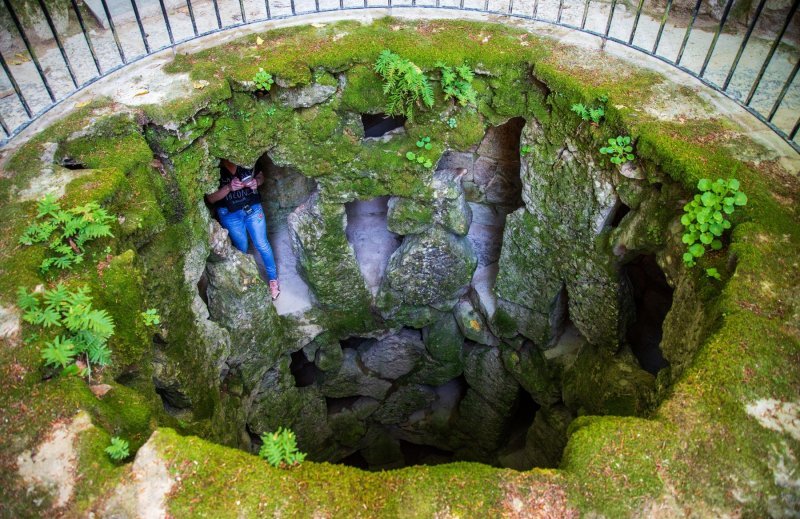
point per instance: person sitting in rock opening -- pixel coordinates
(239, 210)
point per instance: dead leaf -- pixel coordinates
(259, 40)
(100, 389)
(474, 325)
(200, 84)
(318, 25)
(83, 103)
(142, 92)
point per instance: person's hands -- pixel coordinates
(236, 184)
(252, 184)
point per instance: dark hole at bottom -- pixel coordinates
(376, 125)
(653, 298)
(70, 163)
(304, 371)
(416, 454)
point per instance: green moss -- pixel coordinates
(363, 92)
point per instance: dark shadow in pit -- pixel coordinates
(653, 298)
(377, 125)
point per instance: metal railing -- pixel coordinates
(51, 49)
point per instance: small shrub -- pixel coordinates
(405, 85)
(280, 448)
(150, 317)
(457, 84)
(263, 80)
(620, 149)
(705, 218)
(589, 113)
(524, 150)
(86, 330)
(118, 450)
(66, 231)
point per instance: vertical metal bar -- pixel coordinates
(610, 18)
(722, 20)
(744, 44)
(114, 32)
(269, 15)
(460, 4)
(535, 7)
(166, 21)
(560, 10)
(191, 16)
(291, 4)
(316, 4)
(58, 43)
(486, 5)
(510, 6)
(31, 52)
(86, 36)
(141, 27)
(241, 10)
(636, 22)
(785, 88)
(663, 23)
(771, 52)
(585, 14)
(216, 11)
(688, 32)
(15, 86)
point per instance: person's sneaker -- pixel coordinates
(274, 289)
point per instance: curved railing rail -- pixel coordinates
(51, 49)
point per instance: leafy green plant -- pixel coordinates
(83, 331)
(705, 218)
(263, 80)
(620, 149)
(150, 317)
(457, 84)
(405, 85)
(280, 448)
(424, 143)
(452, 123)
(66, 231)
(271, 111)
(118, 450)
(524, 150)
(713, 273)
(587, 113)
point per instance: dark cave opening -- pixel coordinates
(73, 164)
(377, 125)
(304, 371)
(653, 299)
(421, 454)
(619, 213)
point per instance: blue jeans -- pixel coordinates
(253, 222)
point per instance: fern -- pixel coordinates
(118, 450)
(88, 328)
(457, 84)
(405, 85)
(66, 231)
(279, 448)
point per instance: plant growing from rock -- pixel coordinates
(118, 450)
(83, 331)
(424, 143)
(66, 231)
(594, 114)
(705, 218)
(405, 85)
(150, 317)
(452, 123)
(713, 273)
(457, 83)
(524, 150)
(620, 149)
(280, 448)
(263, 80)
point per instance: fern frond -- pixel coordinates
(58, 352)
(26, 300)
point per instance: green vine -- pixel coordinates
(705, 218)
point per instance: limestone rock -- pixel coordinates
(472, 324)
(394, 356)
(451, 209)
(487, 376)
(403, 402)
(352, 380)
(408, 216)
(325, 258)
(432, 268)
(530, 370)
(599, 383)
(306, 96)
